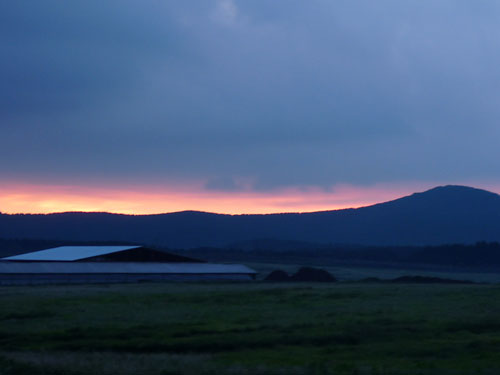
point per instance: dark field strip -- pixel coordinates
(253, 328)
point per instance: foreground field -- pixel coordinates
(254, 328)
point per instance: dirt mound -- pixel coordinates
(277, 275)
(427, 280)
(312, 274)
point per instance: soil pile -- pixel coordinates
(277, 275)
(313, 274)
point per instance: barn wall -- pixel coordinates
(38, 279)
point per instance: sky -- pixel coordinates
(239, 106)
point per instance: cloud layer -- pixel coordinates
(249, 95)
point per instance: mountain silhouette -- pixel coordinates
(447, 214)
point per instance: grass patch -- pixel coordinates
(250, 328)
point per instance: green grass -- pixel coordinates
(253, 328)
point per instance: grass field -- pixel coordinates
(250, 328)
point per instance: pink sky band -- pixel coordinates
(31, 198)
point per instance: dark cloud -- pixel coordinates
(275, 92)
(70, 56)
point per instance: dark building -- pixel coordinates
(98, 264)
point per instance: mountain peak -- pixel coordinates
(453, 199)
(457, 192)
(459, 188)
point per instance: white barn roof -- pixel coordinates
(122, 268)
(69, 253)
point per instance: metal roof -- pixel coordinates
(69, 253)
(121, 267)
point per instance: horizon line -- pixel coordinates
(63, 200)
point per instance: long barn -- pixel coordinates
(105, 264)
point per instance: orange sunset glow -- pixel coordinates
(24, 198)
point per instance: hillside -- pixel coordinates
(449, 214)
